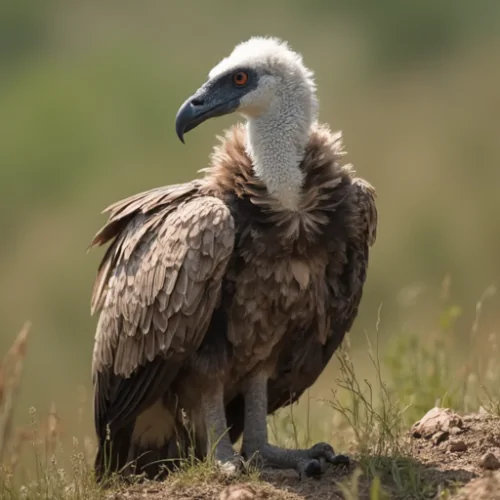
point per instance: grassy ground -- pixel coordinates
(369, 418)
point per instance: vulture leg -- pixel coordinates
(218, 440)
(307, 462)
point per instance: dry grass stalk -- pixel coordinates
(11, 370)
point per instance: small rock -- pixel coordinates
(457, 446)
(436, 421)
(489, 461)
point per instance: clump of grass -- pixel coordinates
(285, 430)
(352, 488)
(11, 370)
(51, 481)
(423, 369)
(375, 419)
(420, 373)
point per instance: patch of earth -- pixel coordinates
(210, 490)
(272, 484)
(448, 451)
(470, 445)
(482, 488)
(462, 450)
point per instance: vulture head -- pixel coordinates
(267, 83)
(261, 76)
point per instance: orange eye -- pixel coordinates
(240, 78)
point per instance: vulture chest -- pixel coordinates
(272, 297)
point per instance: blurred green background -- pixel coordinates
(88, 96)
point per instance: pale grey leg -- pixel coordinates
(218, 441)
(255, 440)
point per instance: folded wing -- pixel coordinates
(156, 288)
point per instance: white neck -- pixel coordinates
(276, 141)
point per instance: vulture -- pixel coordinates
(222, 299)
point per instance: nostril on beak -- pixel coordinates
(197, 101)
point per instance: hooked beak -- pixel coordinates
(200, 107)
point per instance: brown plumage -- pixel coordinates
(207, 284)
(220, 246)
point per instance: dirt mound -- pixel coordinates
(468, 448)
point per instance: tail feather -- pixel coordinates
(154, 444)
(157, 461)
(112, 453)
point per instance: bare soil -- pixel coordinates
(459, 455)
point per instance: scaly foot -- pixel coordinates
(230, 466)
(308, 462)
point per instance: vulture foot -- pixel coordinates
(218, 442)
(308, 462)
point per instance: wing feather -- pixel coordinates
(154, 282)
(156, 292)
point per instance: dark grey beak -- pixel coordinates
(199, 108)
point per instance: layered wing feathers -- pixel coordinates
(160, 279)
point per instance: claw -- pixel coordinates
(311, 468)
(339, 460)
(324, 450)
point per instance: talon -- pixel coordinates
(339, 460)
(324, 450)
(310, 468)
(313, 469)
